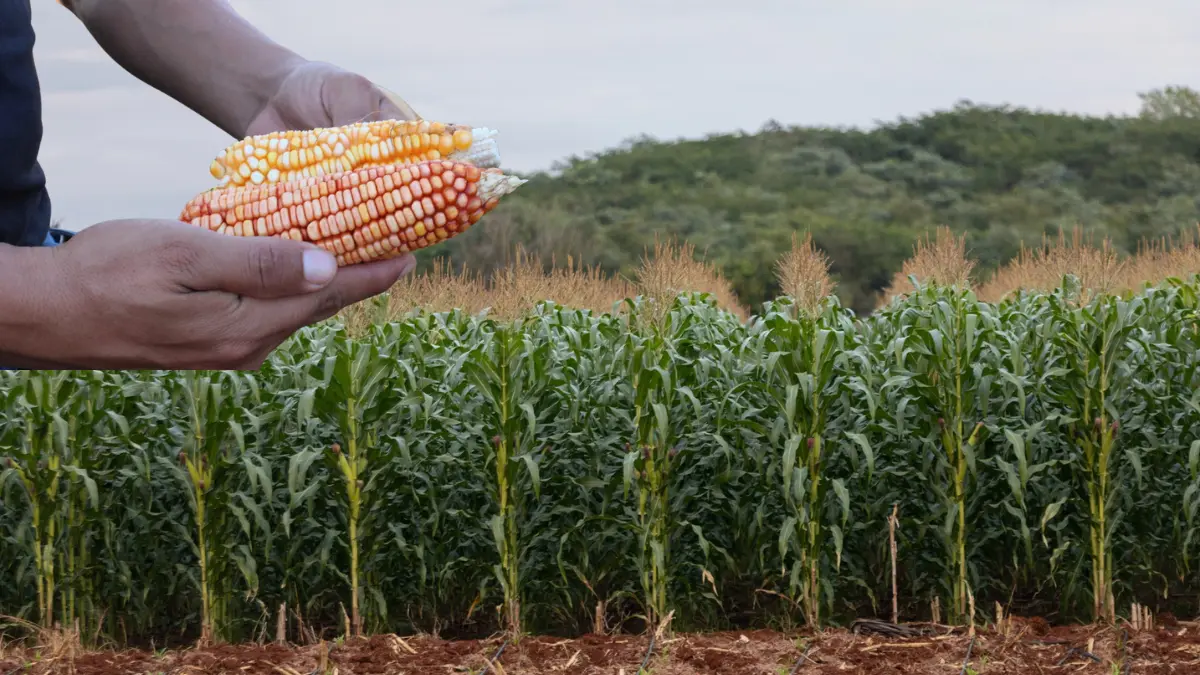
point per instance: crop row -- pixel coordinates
(567, 471)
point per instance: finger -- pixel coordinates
(350, 98)
(257, 267)
(270, 120)
(396, 107)
(353, 284)
(354, 98)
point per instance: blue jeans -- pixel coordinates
(55, 237)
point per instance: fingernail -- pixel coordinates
(319, 267)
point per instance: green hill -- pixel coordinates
(1002, 175)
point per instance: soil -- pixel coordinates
(1026, 647)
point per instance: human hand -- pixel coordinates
(136, 294)
(318, 94)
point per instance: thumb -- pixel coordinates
(260, 267)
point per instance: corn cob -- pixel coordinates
(360, 215)
(288, 155)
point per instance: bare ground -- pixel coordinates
(1027, 647)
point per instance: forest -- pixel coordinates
(1001, 176)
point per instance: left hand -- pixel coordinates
(318, 94)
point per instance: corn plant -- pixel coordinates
(37, 447)
(586, 534)
(91, 428)
(1093, 337)
(351, 392)
(1178, 330)
(58, 411)
(510, 372)
(650, 453)
(1158, 438)
(206, 407)
(801, 378)
(442, 500)
(943, 351)
(1027, 455)
(143, 586)
(718, 532)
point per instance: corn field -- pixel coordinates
(563, 470)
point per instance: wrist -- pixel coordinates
(201, 53)
(30, 307)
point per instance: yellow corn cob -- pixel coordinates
(365, 214)
(282, 156)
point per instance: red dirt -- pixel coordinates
(1031, 647)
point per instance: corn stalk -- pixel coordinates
(38, 465)
(89, 431)
(801, 379)
(210, 408)
(648, 459)
(352, 392)
(509, 372)
(943, 352)
(1093, 339)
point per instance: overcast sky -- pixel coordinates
(563, 77)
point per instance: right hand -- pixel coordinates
(152, 294)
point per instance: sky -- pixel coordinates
(562, 78)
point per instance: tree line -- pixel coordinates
(999, 175)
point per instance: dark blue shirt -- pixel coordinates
(24, 201)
